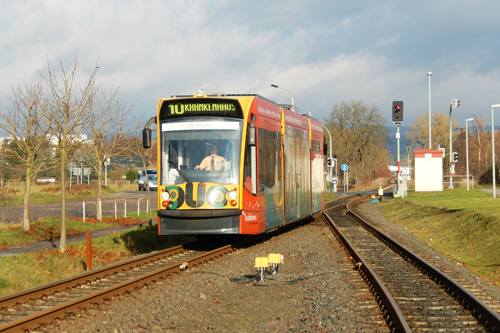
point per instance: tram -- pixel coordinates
(234, 164)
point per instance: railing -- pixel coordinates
(458, 179)
(22, 183)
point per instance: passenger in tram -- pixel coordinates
(210, 162)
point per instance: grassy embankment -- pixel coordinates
(462, 225)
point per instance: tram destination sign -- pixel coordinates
(200, 107)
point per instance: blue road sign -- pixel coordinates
(344, 167)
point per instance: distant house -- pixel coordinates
(4, 140)
(82, 138)
(54, 140)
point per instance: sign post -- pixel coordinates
(106, 163)
(345, 168)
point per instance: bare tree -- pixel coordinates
(27, 125)
(107, 114)
(418, 133)
(359, 135)
(69, 111)
(481, 143)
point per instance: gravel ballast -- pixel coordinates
(316, 289)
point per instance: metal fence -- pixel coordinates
(459, 180)
(22, 183)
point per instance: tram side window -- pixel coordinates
(247, 172)
(269, 171)
(262, 160)
(271, 157)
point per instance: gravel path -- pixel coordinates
(314, 291)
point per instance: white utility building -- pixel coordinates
(428, 170)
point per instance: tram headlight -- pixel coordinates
(165, 196)
(232, 195)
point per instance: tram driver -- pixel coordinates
(212, 161)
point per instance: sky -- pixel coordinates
(321, 52)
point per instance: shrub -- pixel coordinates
(131, 175)
(7, 193)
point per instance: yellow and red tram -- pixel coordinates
(267, 169)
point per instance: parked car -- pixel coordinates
(152, 178)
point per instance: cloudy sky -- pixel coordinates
(324, 52)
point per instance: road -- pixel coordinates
(128, 200)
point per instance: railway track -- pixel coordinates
(402, 312)
(412, 294)
(32, 308)
(40, 306)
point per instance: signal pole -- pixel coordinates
(329, 163)
(430, 119)
(397, 118)
(397, 138)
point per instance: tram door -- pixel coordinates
(291, 176)
(270, 176)
(297, 173)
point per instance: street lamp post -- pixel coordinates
(467, 147)
(493, 148)
(455, 103)
(331, 157)
(430, 122)
(291, 93)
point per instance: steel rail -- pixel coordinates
(37, 319)
(479, 309)
(388, 305)
(85, 277)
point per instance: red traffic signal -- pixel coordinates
(397, 111)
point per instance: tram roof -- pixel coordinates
(248, 95)
(226, 95)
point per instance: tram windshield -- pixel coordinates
(200, 150)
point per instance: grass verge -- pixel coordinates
(462, 225)
(29, 270)
(11, 195)
(48, 229)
